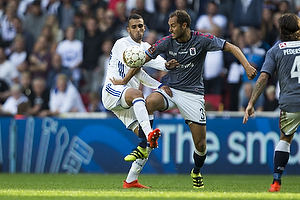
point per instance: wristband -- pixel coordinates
(160, 85)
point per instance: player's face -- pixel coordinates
(136, 29)
(175, 28)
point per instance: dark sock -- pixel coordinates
(199, 161)
(142, 138)
(280, 160)
(151, 122)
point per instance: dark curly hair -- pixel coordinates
(289, 26)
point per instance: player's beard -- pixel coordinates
(180, 35)
(137, 38)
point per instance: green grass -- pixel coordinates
(99, 186)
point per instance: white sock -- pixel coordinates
(136, 168)
(141, 114)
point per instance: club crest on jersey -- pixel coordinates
(192, 51)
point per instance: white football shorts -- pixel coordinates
(191, 106)
(289, 122)
(113, 99)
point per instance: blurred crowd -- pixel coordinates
(54, 53)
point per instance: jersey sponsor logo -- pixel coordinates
(192, 51)
(172, 53)
(290, 44)
(182, 52)
(186, 66)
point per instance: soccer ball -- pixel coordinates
(134, 56)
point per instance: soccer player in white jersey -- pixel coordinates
(188, 49)
(283, 58)
(127, 101)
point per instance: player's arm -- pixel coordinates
(150, 82)
(131, 72)
(236, 51)
(257, 91)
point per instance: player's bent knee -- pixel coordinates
(201, 146)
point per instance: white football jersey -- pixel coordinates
(118, 69)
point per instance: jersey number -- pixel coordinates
(295, 71)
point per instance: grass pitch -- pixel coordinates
(99, 186)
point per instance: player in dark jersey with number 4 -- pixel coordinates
(284, 59)
(186, 50)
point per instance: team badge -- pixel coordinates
(192, 51)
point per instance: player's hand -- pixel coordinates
(117, 81)
(171, 64)
(249, 112)
(167, 90)
(251, 72)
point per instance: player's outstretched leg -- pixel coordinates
(153, 137)
(137, 153)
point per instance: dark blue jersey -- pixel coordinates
(188, 76)
(284, 58)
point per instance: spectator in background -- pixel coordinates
(84, 9)
(95, 103)
(8, 71)
(65, 13)
(284, 7)
(57, 33)
(78, 23)
(182, 5)
(100, 18)
(109, 30)
(64, 98)
(270, 103)
(28, 36)
(18, 54)
(40, 59)
(70, 51)
(247, 13)
(26, 83)
(255, 52)
(7, 31)
(214, 69)
(100, 71)
(10, 107)
(149, 5)
(57, 68)
(39, 98)
(95, 4)
(248, 88)
(269, 31)
(50, 40)
(206, 22)
(120, 22)
(91, 52)
(4, 91)
(34, 20)
(140, 9)
(161, 17)
(50, 7)
(235, 70)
